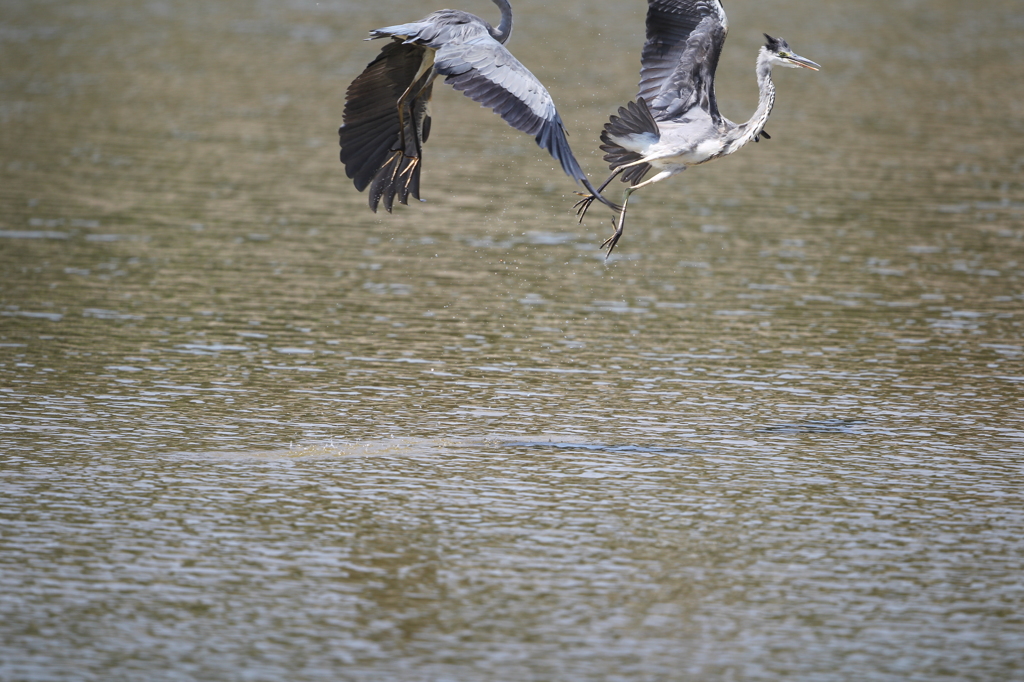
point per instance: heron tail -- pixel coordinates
(633, 122)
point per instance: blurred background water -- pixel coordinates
(252, 431)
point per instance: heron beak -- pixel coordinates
(797, 60)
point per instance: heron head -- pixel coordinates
(781, 54)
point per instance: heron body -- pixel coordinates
(387, 115)
(675, 122)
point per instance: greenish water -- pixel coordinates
(250, 430)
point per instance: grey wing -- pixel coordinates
(486, 72)
(381, 146)
(678, 62)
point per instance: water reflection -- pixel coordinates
(454, 556)
(252, 430)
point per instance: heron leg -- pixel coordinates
(583, 204)
(425, 75)
(409, 93)
(614, 239)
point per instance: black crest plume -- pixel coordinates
(774, 44)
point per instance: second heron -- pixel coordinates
(387, 108)
(674, 122)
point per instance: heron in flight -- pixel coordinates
(387, 108)
(674, 122)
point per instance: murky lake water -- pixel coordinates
(252, 431)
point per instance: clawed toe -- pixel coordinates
(612, 241)
(583, 204)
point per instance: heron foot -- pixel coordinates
(614, 239)
(583, 204)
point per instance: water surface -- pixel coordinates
(253, 431)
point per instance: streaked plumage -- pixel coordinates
(674, 122)
(387, 107)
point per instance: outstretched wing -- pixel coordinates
(475, 63)
(684, 41)
(381, 145)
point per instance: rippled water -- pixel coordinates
(251, 430)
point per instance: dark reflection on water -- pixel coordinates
(819, 426)
(597, 447)
(253, 431)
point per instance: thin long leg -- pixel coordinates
(583, 204)
(596, 193)
(423, 82)
(614, 239)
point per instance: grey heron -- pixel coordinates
(387, 109)
(674, 122)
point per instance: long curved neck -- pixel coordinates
(766, 100)
(504, 29)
